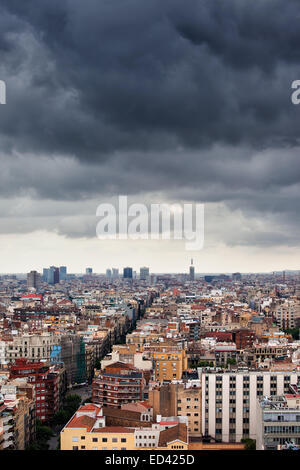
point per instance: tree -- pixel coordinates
(43, 434)
(231, 361)
(61, 417)
(250, 444)
(294, 332)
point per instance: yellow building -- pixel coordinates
(87, 431)
(169, 364)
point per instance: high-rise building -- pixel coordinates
(144, 274)
(54, 275)
(229, 399)
(62, 273)
(108, 273)
(45, 274)
(50, 277)
(127, 273)
(89, 271)
(192, 271)
(236, 276)
(115, 273)
(33, 280)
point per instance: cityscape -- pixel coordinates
(149, 231)
(133, 360)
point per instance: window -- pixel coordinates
(75, 447)
(114, 439)
(75, 439)
(95, 439)
(104, 439)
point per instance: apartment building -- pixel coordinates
(79, 435)
(117, 384)
(269, 351)
(46, 381)
(17, 426)
(169, 363)
(278, 422)
(88, 430)
(229, 400)
(179, 399)
(287, 314)
(33, 347)
(130, 355)
(224, 353)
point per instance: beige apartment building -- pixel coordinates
(179, 399)
(33, 347)
(287, 314)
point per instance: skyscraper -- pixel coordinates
(108, 273)
(62, 273)
(45, 274)
(115, 273)
(33, 280)
(89, 271)
(53, 275)
(192, 271)
(144, 273)
(127, 273)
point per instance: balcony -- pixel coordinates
(9, 427)
(7, 444)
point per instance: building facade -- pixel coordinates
(229, 400)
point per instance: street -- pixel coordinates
(84, 392)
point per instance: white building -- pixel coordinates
(229, 400)
(278, 423)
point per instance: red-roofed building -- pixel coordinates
(46, 382)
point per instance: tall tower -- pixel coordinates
(63, 273)
(192, 271)
(33, 280)
(144, 273)
(127, 273)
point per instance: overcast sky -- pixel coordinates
(163, 101)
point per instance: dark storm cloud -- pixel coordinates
(154, 75)
(191, 99)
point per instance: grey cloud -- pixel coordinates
(189, 101)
